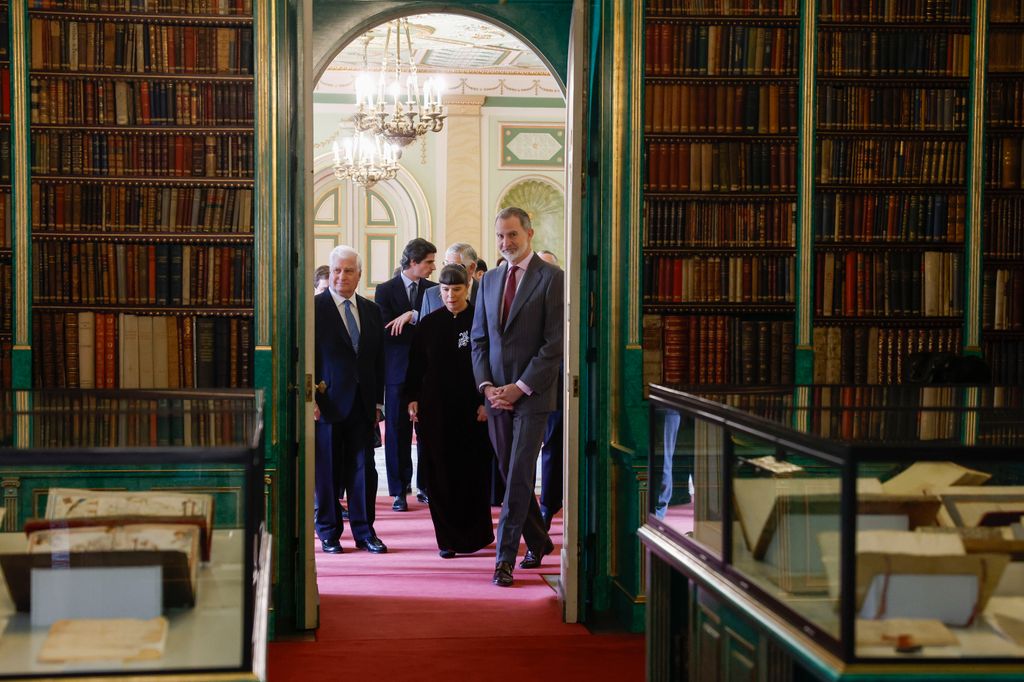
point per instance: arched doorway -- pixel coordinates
(337, 27)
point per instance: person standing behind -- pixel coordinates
(459, 253)
(451, 423)
(320, 278)
(551, 451)
(400, 299)
(481, 268)
(517, 351)
(349, 365)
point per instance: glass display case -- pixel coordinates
(132, 535)
(881, 523)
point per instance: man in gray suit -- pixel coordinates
(459, 253)
(517, 352)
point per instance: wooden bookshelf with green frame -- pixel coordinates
(720, 142)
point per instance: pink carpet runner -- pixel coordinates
(411, 615)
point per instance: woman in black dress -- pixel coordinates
(451, 424)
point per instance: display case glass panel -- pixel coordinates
(131, 532)
(851, 510)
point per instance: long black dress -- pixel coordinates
(453, 443)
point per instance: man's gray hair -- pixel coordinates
(515, 212)
(345, 252)
(466, 252)
(545, 252)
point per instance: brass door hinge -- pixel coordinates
(309, 388)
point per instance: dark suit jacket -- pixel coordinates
(353, 382)
(393, 299)
(529, 348)
(432, 299)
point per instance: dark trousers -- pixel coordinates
(344, 460)
(517, 439)
(397, 440)
(551, 467)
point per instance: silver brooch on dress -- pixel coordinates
(463, 339)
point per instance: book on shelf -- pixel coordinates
(720, 349)
(872, 353)
(116, 356)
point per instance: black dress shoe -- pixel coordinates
(502, 574)
(447, 554)
(422, 498)
(331, 547)
(532, 559)
(400, 504)
(373, 545)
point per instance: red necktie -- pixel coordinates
(510, 294)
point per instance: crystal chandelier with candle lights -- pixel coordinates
(392, 103)
(366, 160)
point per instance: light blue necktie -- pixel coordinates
(353, 328)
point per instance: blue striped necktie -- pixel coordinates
(353, 328)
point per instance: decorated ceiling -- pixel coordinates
(472, 56)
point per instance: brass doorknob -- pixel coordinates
(321, 387)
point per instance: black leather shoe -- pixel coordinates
(331, 548)
(422, 498)
(502, 574)
(373, 545)
(532, 559)
(447, 554)
(400, 504)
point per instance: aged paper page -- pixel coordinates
(115, 639)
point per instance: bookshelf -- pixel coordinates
(1002, 333)
(720, 143)
(6, 253)
(142, 179)
(890, 114)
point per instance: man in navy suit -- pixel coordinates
(517, 352)
(551, 452)
(400, 299)
(349, 366)
(459, 253)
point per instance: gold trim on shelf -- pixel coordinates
(619, 84)
(152, 76)
(634, 598)
(265, 155)
(233, 20)
(19, 173)
(973, 276)
(636, 92)
(805, 227)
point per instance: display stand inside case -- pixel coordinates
(127, 479)
(849, 528)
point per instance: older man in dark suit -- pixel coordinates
(517, 352)
(459, 253)
(400, 299)
(349, 366)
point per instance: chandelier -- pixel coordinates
(366, 160)
(392, 103)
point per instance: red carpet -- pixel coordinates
(411, 615)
